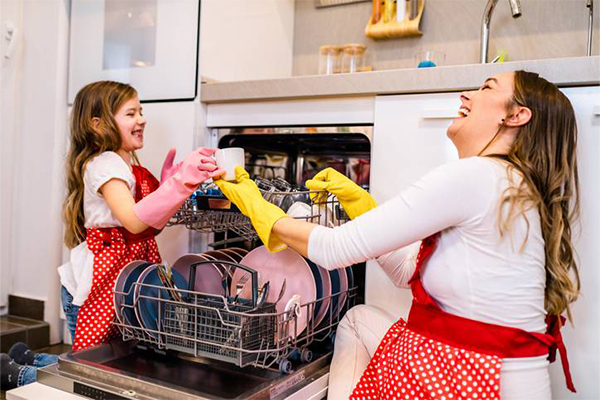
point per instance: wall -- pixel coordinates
(547, 29)
(34, 144)
(34, 116)
(243, 40)
(10, 11)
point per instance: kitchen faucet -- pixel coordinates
(590, 5)
(515, 6)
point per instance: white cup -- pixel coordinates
(228, 159)
(299, 210)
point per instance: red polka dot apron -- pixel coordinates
(438, 355)
(113, 248)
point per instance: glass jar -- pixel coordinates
(354, 58)
(329, 60)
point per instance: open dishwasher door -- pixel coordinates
(126, 370)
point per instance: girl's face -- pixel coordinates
(481, 115)
(131, 123)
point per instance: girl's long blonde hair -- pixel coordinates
(545, 153)
(96, 100)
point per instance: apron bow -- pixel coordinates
(98, 239)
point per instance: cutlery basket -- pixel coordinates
(235, 330)
(210, 327)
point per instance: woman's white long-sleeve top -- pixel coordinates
(475, 272)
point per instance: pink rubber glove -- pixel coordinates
(168, 169)
(156, 208)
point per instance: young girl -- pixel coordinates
(114, 207)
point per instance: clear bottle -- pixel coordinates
(329, 59)
(354, 58)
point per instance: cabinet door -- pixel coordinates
(581, 339)
(409, 139)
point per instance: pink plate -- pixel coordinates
(208, 276)
(275, 268)
(343, 289)
(326, 293)
(236, 253)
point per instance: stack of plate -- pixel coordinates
(305, 283)
(139, 287)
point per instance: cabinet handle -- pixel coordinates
(597, 111)
(439, 114)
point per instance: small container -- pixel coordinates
(329, 59)
(354, 58)
(428, 58)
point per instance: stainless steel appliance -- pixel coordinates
(142, 366)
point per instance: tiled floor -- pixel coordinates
(56, 349)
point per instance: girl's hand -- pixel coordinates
(198, 166)
(168, 169)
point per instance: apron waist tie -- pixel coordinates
(485, 338)
(116, 234)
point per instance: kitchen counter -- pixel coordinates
(578, 71)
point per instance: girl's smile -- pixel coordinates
(131, 123)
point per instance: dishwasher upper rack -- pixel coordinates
(213, 326)
(324, 210)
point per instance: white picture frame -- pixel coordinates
(150, 44)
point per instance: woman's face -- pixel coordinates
(481, 114)
(131, 123)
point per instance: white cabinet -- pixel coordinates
(409, 139)
(582, 339)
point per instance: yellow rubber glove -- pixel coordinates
(245, 195)
(353, 198)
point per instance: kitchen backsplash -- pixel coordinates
(547, 29)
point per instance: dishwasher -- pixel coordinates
(208, 346)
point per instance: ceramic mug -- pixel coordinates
(227, 159)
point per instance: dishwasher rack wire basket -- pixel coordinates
(215, 214)
(244, 332)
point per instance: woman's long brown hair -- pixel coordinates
(97, 100)
(545, 154)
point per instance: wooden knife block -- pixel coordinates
(395, 29)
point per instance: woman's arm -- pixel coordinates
(121, 202)
(295, 233)
(399, 265)
(453, 194)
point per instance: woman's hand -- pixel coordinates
(245, 195)
(353, 198)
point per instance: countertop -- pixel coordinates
(576, 71)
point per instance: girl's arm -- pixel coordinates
(121, 202)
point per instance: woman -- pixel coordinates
(495, 260)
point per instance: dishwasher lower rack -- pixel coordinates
(321, 208)
(219, 328)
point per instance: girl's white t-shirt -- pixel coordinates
(76, 275)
